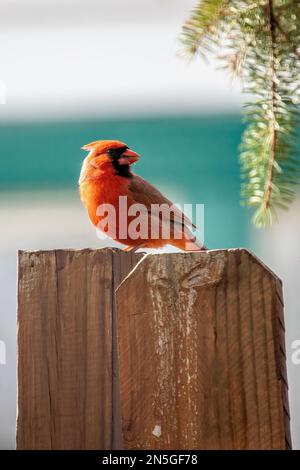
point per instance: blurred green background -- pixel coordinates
(193, 159)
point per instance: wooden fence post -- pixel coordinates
(67, 390)
(201, 353)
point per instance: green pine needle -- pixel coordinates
(262, 42)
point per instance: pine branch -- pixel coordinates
(262, 42)
(273, 131)
(287, 37)
(200, 31)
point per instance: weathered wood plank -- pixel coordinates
(67, 391)
(201, 353)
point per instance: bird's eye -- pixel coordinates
(117, 152)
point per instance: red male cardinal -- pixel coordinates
(105, 176)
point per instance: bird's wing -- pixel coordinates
(145, 193)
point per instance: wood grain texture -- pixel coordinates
(67, 390)
(201, 353)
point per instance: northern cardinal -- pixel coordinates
(106, 175)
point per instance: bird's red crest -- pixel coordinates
(102, 146)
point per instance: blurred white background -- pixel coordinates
(105, 57)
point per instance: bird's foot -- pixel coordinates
(132, 249)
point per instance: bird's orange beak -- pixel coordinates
(129, 156)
